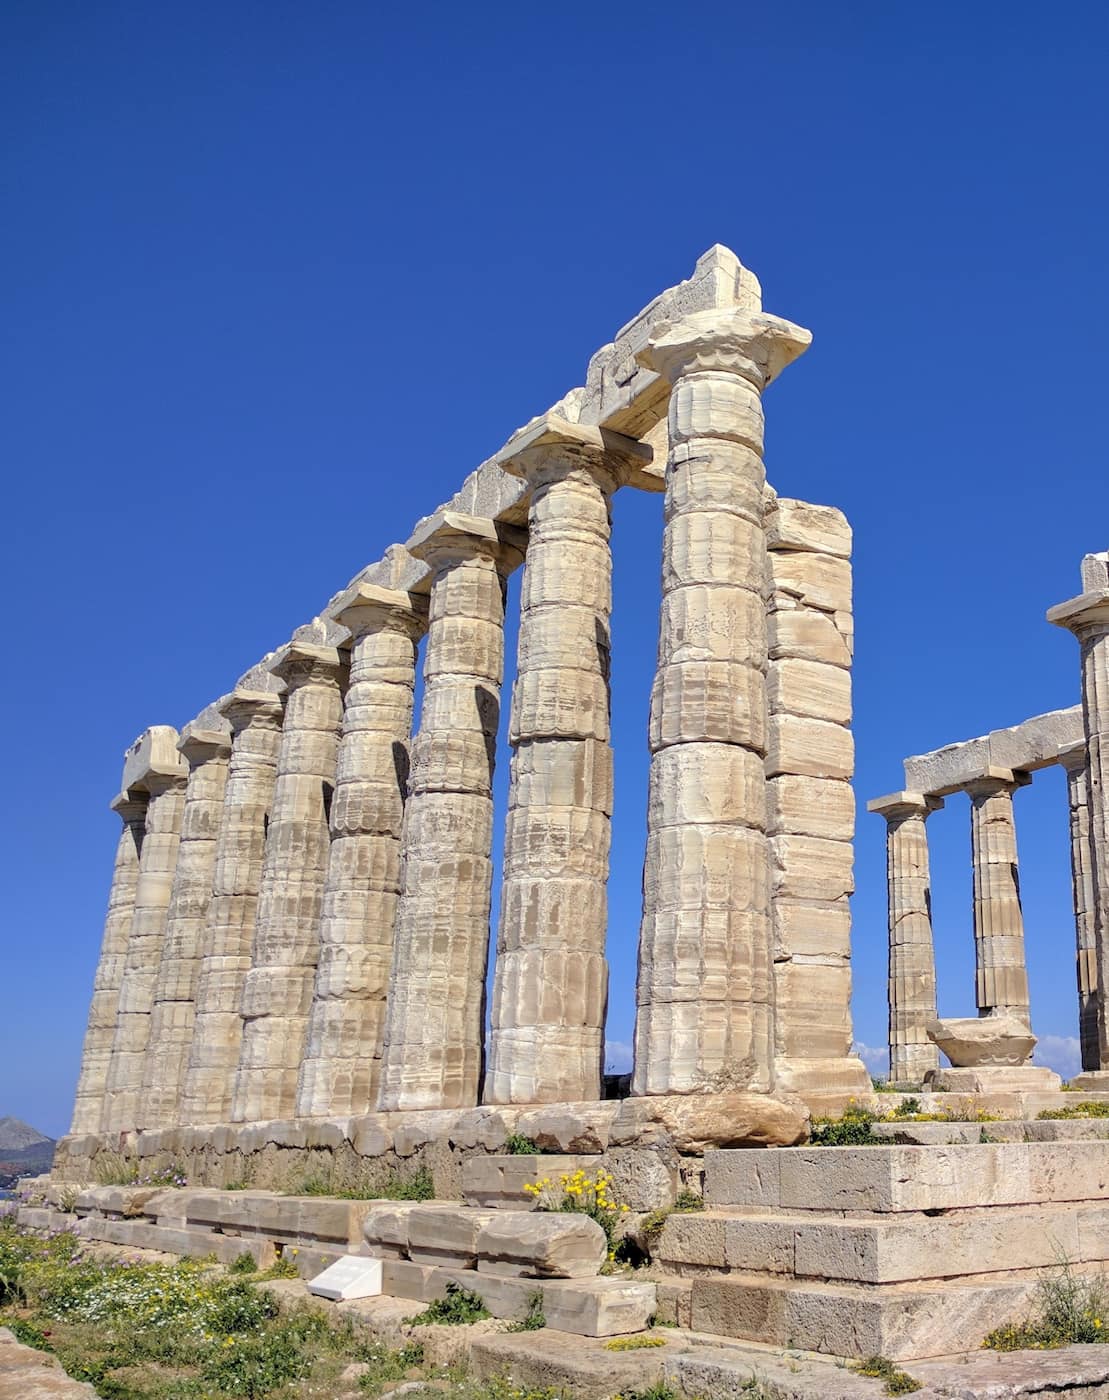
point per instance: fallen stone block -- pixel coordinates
(446, 1234)
(385, 1229)
(541, 1245)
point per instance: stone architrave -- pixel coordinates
(704, 997)
(434, 1026)
(1074, 761)
(154, 766)
(912, 962)
(810, 804)
(206, 747)
(1001, 980)
(277, 991)
(341, 1068)
(1087, 617)
(254, 715)
(92, 1082)
(551, 979)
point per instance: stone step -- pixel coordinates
(903, 1321)
(1012, 1130)
(886, 1249)
(894, 1179)
(586, 1307)
(190, 1243)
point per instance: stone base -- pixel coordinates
(825, 1086)
(993, 1079)
(1090, 1081)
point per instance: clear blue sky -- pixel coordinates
(275, 277)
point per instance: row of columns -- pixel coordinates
(319, 944)
(1001, 978)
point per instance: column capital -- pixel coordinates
(243, 706)
(1075, 758)
(366, 607)
(450, 537)
(994, 780)
(305, 663)
(1086, 616)
(896, 806)
(152, 762)
(551, 448)
(200, 745)
(750, 344)
(130, 806)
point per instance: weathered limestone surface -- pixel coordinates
(1075, 761)
(704, 993)
(100, 1033)
(1087, 616)
(277, 992)
(997, 1039)
(340, 1071)
(810, 805)
(1035, 744)
(154, 766)
(205, 745)
(541, 1246)
(912, 963)
(551, 980)
(1001, 977)
(254, 716)
(433, 1050)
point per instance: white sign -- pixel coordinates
(352, 1276)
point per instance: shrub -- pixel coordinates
(385, 1365)
(634, 1343)
(688, 1200)
(852, 1129)
(458, 1309)
(284, 1266)
(256, 1364)
(1087, 1108)
(414, 1186)
(1070, 1309)
(518, 1145)
(898, 1382)
(243, 1263)
(581, 1194)
(534, 1319)
(113, 1169)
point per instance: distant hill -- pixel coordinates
(24, 1151)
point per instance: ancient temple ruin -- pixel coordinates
(993, 1053)
(299, 917)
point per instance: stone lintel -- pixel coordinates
(1027, 747)
(363, 606)
(904, 804)
(152, 760)
(1089, 612)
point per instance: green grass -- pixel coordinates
(458, 1309)
(517, 1145)
(534, 1319)
(898, 1382)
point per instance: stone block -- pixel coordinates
(809, 867)
(971, 1041)
(817, 580)
(804, 806)
(807, 634)
(603, 1307)
(809, 688)
(540, 1245)
(813, 747)
(446, 1234)
(401, 1278)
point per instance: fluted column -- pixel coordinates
(341, 1068)
(912, 962)
(88, 1106)
(1087, 616)
(704, 1017)
(1074, 761)
(157, 864)
(277, 992)
(551, 980)
(434, 1028)
(1001, 979)
(255, 719)
(172, 1022)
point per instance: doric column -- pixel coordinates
(154, 765)
(551, 980)
(206, 746)
(912, 962)
(255, 719)
(704, 1015)
(434, 1025)
(277, 992)
(340, 1072)
(1074, 761)
(1002, 978)
(1087, 616)
(88, 1106)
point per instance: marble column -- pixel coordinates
(1001, 979)
(1087, 617)
(551, 980)
(434, 1027)
(92, 1081)
(206, 747)
(341, 1068)
(912, 961)
(277, 992)
(255, 719)
(704, 999)
(162, 776)
(1074, 761)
